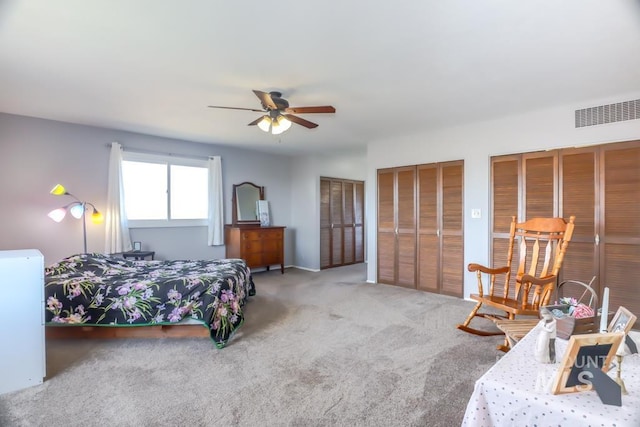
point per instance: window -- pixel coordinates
(164, 191)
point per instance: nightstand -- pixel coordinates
(138, 255)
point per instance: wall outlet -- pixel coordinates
(476, 213)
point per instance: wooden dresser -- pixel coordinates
(258, 246)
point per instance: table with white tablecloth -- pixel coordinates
(516, 391)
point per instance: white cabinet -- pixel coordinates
(22, 342)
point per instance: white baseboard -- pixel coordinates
(314, 270)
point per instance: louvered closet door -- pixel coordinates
(620, 242)
(325, 223)
(337, 223)
(578, 196)
(428, 240)
(406, 226)
(452, 256)
(348, 214)
(540, 190)
(505, 196)
(540, 185)
(341, 222)
(386, 235)
(358, 217)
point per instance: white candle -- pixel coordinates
(604, 312)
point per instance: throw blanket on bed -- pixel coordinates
(94, 289)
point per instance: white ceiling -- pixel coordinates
(388, 67)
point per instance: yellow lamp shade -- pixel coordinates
(58, 190)
(97, 217)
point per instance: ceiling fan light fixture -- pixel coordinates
(284, 123)
(265, 123)
(276, 129)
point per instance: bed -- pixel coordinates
(99, 293)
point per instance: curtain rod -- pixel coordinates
(161, 153)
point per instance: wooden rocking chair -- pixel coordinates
(542, 244)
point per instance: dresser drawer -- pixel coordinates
(252, 246)
(251, 235)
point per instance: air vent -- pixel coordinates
(627, 110)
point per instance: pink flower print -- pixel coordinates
(216, 324)
(133, 316)
(53, 303)
(222, 311)
(175, 315)
(76, 290)
(174, 295)
(130, 302)
(235, 306)
(123, 290)
(74, 318)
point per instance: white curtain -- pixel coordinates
(215, 221)
(117, 238)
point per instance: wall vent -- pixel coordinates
(627, 110)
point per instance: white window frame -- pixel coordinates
(165, 160)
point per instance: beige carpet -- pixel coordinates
(317, 349)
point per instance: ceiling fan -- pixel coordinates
(279, 115)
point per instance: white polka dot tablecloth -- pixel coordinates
(516, 391)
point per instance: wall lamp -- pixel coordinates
(77, 209)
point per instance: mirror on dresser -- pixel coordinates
(244, 198)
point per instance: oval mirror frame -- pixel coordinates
(243, 202)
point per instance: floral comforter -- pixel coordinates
(94, 289)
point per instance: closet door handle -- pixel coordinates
(438, 232)
(597, 239)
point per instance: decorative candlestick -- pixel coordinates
(619, 373)
(619, 356)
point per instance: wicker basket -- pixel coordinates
(569, 325)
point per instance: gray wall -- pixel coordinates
(36, 154)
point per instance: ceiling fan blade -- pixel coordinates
(256, 121)
(307, 110)
(266, 100)
(236, 108)
(301, 121)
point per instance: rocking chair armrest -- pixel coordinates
(477, 267)
(538, 280)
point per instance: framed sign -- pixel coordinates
(585, 353)
(137, 246)
(622, 321)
